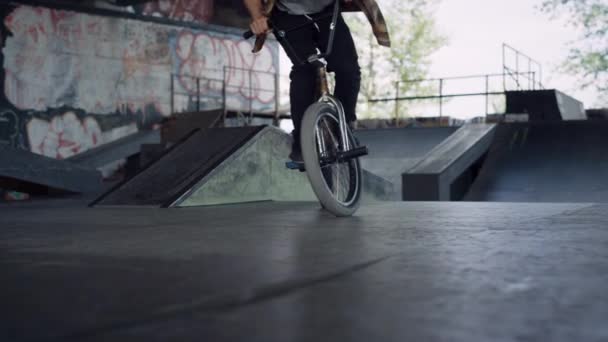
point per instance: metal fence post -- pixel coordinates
(517, 70)
(277, 99)
(198, 94)
(529, 72)
(487, 93)
(224, 95)
(172, 86)
(440, 99)
(504, 68)
(250, 96)
(396, 101)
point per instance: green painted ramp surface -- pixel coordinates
(227, 166)
(256, 172)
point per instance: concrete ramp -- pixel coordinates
(31, 173)
(116, 150)
(257, 172)
(393, 151)
(545, 162)
(182, 166)
(447, 171)
(545, 105)
(227, 166)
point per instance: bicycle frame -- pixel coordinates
(344, 150)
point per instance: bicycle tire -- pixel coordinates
(314, 171)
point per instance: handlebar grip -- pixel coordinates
(248, 34)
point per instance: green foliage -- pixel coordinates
(414, 39)
(588, 57)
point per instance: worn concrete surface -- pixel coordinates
(228, 166)
(290, 272)
(22, 170)
(257, 172)
(446, 172)
(179, 168)
(116, 150)
(393, 151)
(563, 161)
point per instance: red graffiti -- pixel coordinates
(185, 10)
(64, 136)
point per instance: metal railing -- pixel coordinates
(247, 92)
(240, 90)
(520, 73)
(525, 69)
(441, 96)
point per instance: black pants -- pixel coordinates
(343, 61)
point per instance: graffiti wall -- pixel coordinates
(63, 132)
(231, 13)
(185, 10)
(204, 56)
(98, 64)
(72, 81)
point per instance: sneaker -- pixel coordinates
(296, 154)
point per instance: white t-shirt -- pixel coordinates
(301, 7)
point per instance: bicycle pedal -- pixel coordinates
(292, 165)
(354, 153)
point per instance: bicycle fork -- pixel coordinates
(325, 97)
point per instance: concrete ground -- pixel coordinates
(290, 272)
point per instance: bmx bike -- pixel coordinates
(330, 151)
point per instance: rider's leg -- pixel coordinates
(301, 94)
(344, 62)
(300, 44)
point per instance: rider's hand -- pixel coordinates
(259, 26)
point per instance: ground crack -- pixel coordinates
(224, 303)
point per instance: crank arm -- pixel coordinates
(344, 156)
(354, 153)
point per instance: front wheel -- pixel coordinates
(336, 183)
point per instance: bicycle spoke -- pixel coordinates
(331, 134)
(336, 183)
(341, 177)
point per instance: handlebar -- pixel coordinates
(332, 28)
(248, 34)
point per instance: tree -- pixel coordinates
(414, 39)
(588, 56)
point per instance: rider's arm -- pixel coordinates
(259, 24)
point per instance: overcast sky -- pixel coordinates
(476, 30)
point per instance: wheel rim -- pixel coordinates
(341, 178)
